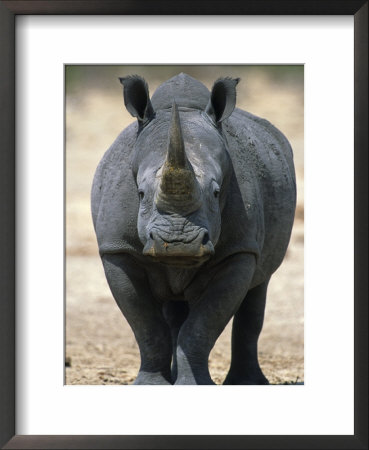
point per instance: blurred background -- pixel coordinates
(100, 346)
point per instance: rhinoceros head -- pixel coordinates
(182, 169)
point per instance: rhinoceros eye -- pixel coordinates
(216, 189)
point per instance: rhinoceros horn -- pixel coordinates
(179, 190)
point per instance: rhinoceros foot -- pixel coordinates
(249, 380)
(191, 380)
(150, 378)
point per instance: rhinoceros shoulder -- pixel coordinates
(263, 163)
(260, 135)
(114, 200)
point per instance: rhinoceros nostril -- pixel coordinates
(205, 238)
(151, 235)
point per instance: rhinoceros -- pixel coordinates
(193, 206)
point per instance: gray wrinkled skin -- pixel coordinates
(193, 207)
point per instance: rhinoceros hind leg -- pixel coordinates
(247, 325)
(175, 313)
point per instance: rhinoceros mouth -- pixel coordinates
(179, 253)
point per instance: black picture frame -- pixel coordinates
(8, 11)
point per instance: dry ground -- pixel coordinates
(100, 345)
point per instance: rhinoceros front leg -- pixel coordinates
(247, 325)
(129, 286)
(209, 316)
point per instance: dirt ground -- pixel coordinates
(100, 346)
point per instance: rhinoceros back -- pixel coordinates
(185, 90)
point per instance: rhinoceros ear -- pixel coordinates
(136, 98)
(222, 99)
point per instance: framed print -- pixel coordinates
(43, 46)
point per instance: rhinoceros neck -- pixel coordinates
(170, 283)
